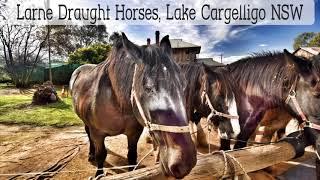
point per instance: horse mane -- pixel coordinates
(263, 75)
(316, 62)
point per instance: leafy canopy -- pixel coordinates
(93, 54)
(307, 39)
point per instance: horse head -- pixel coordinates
(306, 91)
(158, 103)
(216, 85)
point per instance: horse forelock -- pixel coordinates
(193, 74)
(223, 82)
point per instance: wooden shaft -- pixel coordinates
(212, 165)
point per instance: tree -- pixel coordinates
(90, 34)
(315, 41)
(93, 54)
(22, 50)
(66, 39)
(303, 40)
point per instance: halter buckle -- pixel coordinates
(292, 93)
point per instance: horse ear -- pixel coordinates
(166, 45)
(300, 65)
(132, 49)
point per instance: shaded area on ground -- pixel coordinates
(26, 149)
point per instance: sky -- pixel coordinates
(233, 42)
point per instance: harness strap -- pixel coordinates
(311, 125)
(148, 124)
(172, 129)
(292, 97)
(214, 112)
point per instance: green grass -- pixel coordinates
(17, 109)
(6, 86)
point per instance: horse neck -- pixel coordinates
(244, 84)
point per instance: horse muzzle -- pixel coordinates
(177, 160)
(177, 150)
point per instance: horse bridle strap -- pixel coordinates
(214, 112)
(148, 124)
(292, 97)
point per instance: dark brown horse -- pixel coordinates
(211, 81)
(264, 82)
(136, 86)
(275, 121)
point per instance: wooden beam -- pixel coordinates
(213, 165)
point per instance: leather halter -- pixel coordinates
(214, 112)
(148, 124)
(205, 99)
(292, 96)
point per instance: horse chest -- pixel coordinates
(112, 121)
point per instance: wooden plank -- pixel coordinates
(213, 165)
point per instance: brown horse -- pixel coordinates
(274, 121)
(272, 126)
(136, 87)
(266, 81)
(205, 80)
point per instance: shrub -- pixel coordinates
(93, 54)
(4, 76)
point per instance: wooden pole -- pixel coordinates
(49, 50)
(213, 165)
(47, 5)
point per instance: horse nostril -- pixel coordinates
(178, 170)
(316, 94)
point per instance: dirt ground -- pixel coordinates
(25, 149)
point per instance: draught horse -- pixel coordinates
(275, 121)
(136, 87)
(209, 94)
(274, 80)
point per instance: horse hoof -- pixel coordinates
(91, 158)
(99, 174)
(224, 148)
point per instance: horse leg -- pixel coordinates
(133, 138)
(199, 136)
(224, 134)
(248, 128)
(281, 133)
(224, 144)
(193, 132)
(100, 150)
(91, 156)
(318, 168)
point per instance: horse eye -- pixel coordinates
(313, 82)
(148, 89)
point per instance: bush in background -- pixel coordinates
(93, 54)
(4, 76)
